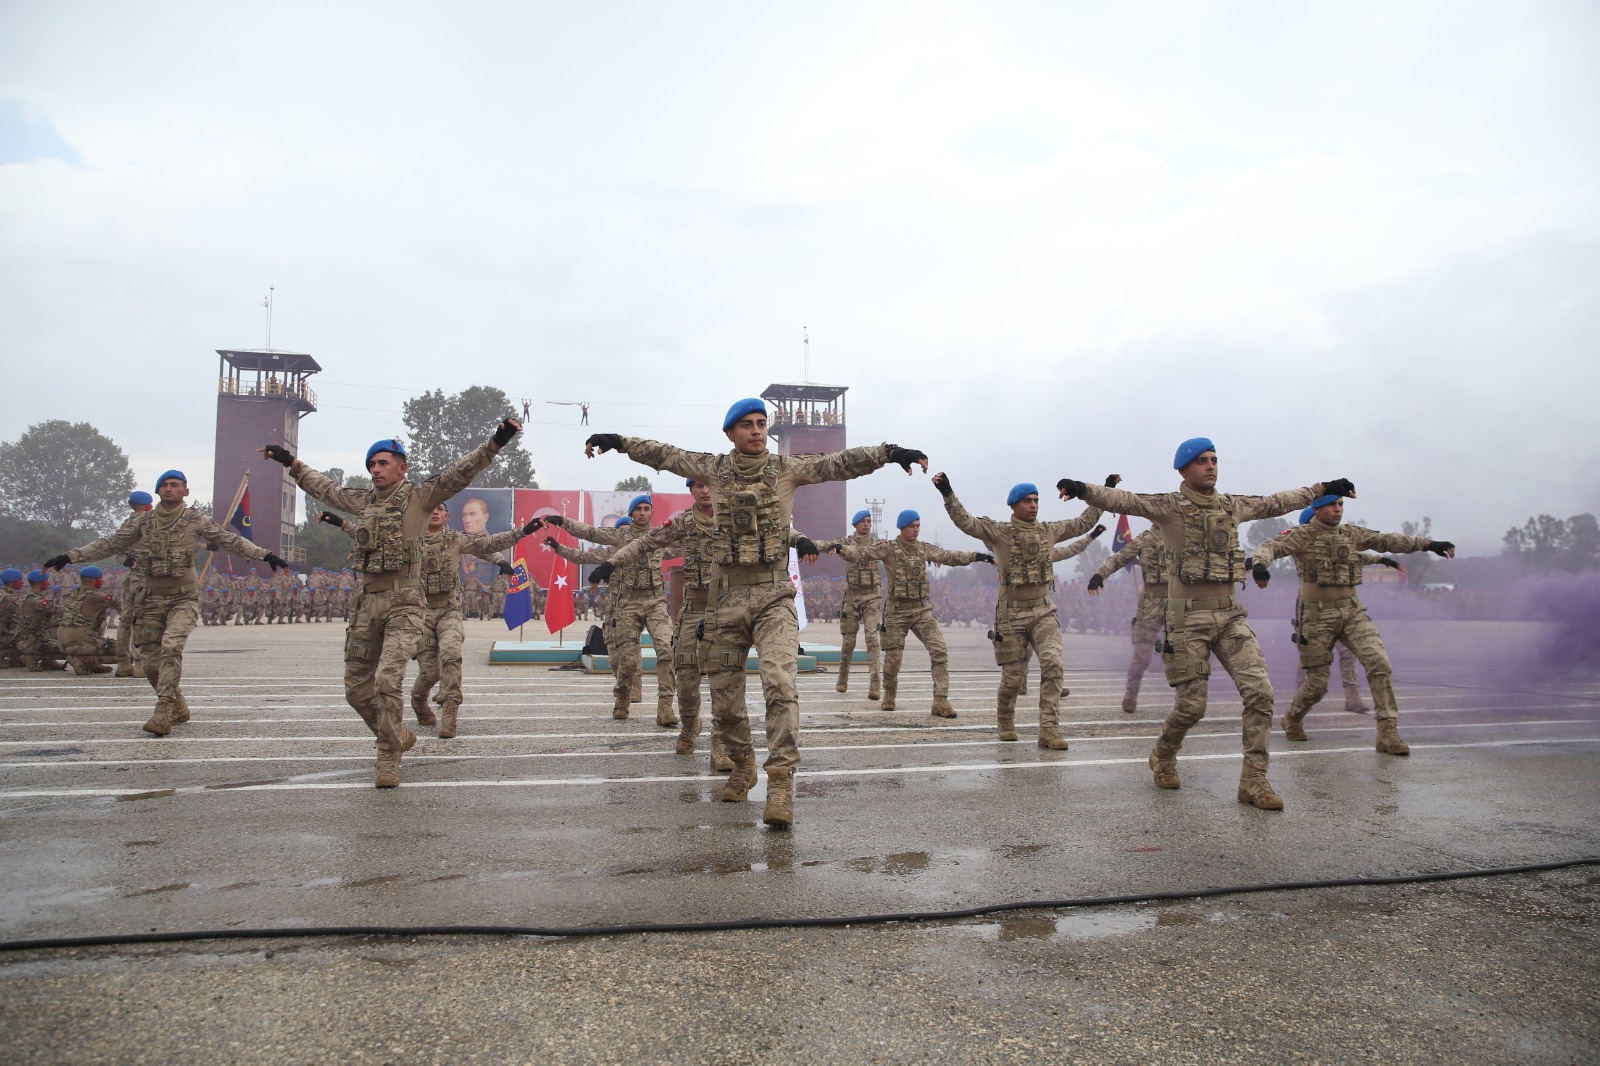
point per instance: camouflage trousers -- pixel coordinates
(1348, 678)
(1026, 629)
(915, 617)
(439, 657)
(81, 646)
(165, 622)
(686, 670)
(128, 617)
(1195, 636)
(385, 632)
(762, 616)
(1322, 625)
(1148, 622)
(860, 610)
(37, 650)
(631, 616)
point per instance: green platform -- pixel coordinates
(552, 653)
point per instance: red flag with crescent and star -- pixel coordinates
(1122, 537)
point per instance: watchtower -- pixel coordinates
(809, 419)
(261, 397)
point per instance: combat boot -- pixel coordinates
(408, 740)
(1165, 768)
(387, 772)
(889, 686)
(97, 668)
(447, 719)
(124, 669)
(1130, 701)
(160, 723)
(1389, 742)
(1293, 727)
(637, 694)
(664, 716)
(138, 670)
(619, 707)
(424, 713)
(779, 812)
(1355, 706)
(1051, 739)
(1256, 790)
(843, 684)
(180, 710)
(742, 780)
(874, 688)
(1006, 717)
(942, 708)
(721, 761)
(688, 733)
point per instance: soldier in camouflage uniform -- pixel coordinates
(386, 630)
(1328, 556)
(13, 587)
(1025, 612)
(639, 603)
(35, 631)
(83, 613)
(862, 608)
(751, 600)
(1150, 617)
(1068, 549)
(131, 593)
(1200, 527)
(906, 559)
(168, 537)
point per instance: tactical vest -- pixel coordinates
(1334, 560)
(644, 575)
(1153, 561)
(697, 556)
(864, 576)
(908, 578)
(1211, 551)
(438, 569)
(750, 530)
(1029, 561)
(381, 544)
(73, 615)
(168, 547)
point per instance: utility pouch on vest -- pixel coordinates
(894, 634)
(1311, 654)
(149, 629)
(1008, 646)
(1181, 667)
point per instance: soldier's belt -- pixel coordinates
(1332, 605)
(1157, 591)
(385, 584)
(1024, 601)
(762, 577)
(167, 584)
(172, 590)
(698, 597)
(439, 599)
(910, 601)
(1215, 603)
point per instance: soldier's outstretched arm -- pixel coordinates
(1063, 552)
(1250, 508)
(854, 463)
(1369, 540)
(216, 535)
(126, 536)
(459, 474)
(486, 547)
(1129, 552)
(616, 535)
(654, 454)
(323, 489)
(1277, 547)
(935, 554)
(661, 537)
(984, 529)
(1118, 501)
(578, 555)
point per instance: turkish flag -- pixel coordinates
(557, 576)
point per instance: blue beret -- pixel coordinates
(169, 475)
(622, 522)
(91, 572)
(141, 498)
(10, 576)
(688, 482)
(859, 515)
(1189, 449)
(748, 405)
(1307, 515)
(36, 577)
(637, 500)
(1323, 501)
(390, 445)
(906, 518)
(1019, 490)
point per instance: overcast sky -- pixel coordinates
(1344, 240)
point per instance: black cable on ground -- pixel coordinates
(117, 939)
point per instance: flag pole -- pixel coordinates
(244, 483)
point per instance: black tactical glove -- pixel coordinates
(507, 429)
(332, 519)
(904, 457)
(1113, 480)
(554, 520)
(1096, 531)
(1096, 583)
(604, 442)
(278, 454)
(1070, 489)
(941, 481)
(601, 573)
(551, 543)
(1441, 547)
(1392, 564)
(505, 567)
(275, 562)
(1261, 574)
(128, 562)
(1339, 486)
(533, 524)
(805, 548)
(56, 562)
(982, 557)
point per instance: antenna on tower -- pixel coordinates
(876, 507)
(267, 303)
(805, 343)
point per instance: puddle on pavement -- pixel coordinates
(240, 884)
(1022, 851)
(901, 864)
(179, 887)
(160, 793)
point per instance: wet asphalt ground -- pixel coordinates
(544, 812)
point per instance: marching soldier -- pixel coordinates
(83, 612)
(862, 607)
(128, 664)
(1200, 527)
(751, 600)
(1149, 618)
(168, 537)
(1349, 679)
(1025, 613)
(1328, 556)
(386, 630)
(906, 559)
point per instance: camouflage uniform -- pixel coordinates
(1328, 557)
(908, 611)
(35, 630)
(1150, 618)
(1025, 613)
(127, 621)
(862, 609)
(386, 628)
(10, 600)
(1349, 679)
(170, 608)
(1204, 617)
(638, 604)
(439, 659)
(83, 613)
